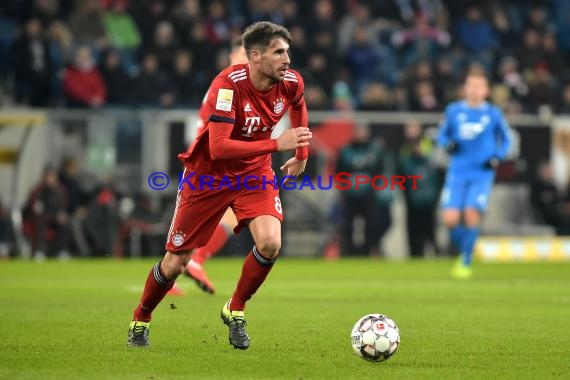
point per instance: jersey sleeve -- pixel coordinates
(298, 115)
(444, 134)
(504, 135)
(298, 90)
(221, 101)
(203, 114)
(222, 147)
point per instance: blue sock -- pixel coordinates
(467, 244)
(456, 235)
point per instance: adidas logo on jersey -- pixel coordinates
(247, 108)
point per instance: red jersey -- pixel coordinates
(254, 114)
(203, 113)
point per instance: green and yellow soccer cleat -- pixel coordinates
(139, 334)
(461, 271)
(235, 320)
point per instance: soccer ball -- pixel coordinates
(375, 337)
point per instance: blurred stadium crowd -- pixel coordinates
(68, 213)
(367, 55)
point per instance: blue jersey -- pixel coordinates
(480, 134)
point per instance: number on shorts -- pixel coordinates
(278, 207)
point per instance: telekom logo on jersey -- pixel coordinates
(252, 124)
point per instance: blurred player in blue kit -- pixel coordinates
(477, 137)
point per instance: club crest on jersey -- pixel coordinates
(177, 239)
(278, 106)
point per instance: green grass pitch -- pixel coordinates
(69, 321)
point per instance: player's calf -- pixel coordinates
(173, 264)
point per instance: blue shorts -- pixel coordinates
(460, 193)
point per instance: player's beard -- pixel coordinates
(275, 75)
(275, 78)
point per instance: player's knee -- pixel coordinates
(269, 246)
(451, 218)
(472, 217)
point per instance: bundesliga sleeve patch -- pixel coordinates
(224, 100)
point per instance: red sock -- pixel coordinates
(155, 289)
(216, 242)
(253, 273)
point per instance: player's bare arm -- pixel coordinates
(294, 138)
(296, 165)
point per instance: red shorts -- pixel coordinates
(198, 212)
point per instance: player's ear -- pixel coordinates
(255, 56)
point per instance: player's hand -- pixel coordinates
(493, 163)
(293, 168)
(294, 138)
(451, 147)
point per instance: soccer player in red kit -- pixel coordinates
(195, 269)
(246, 102)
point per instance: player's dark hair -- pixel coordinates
(261, 34)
